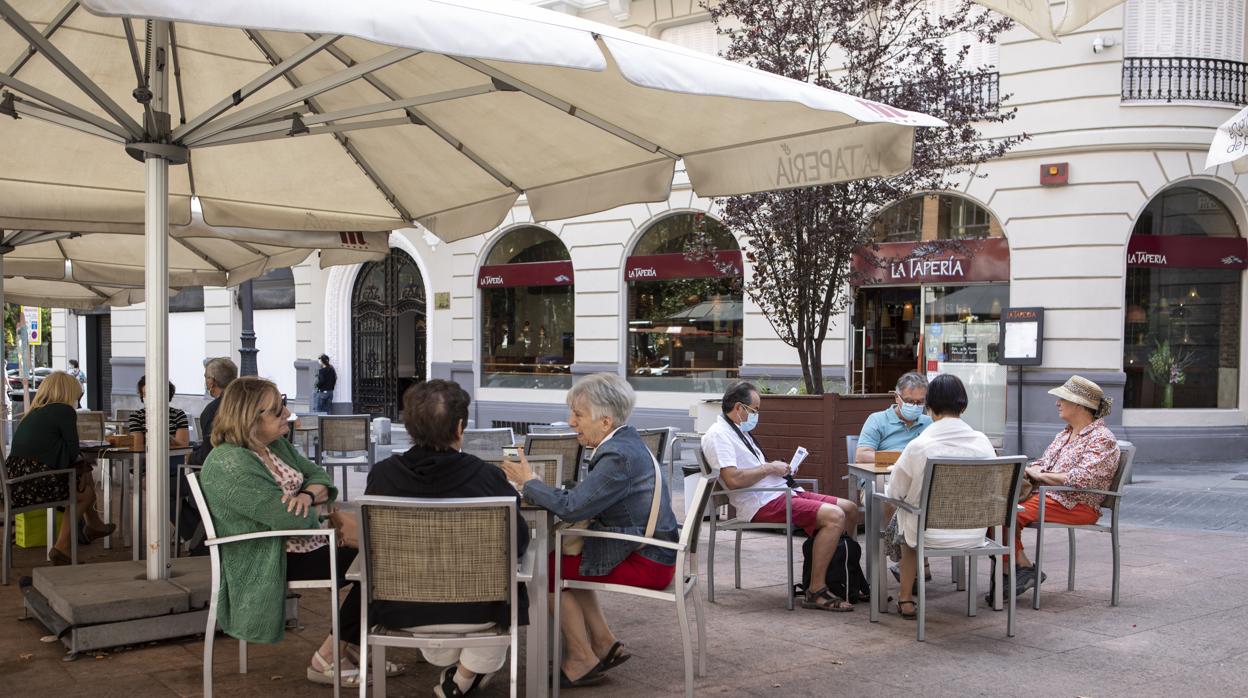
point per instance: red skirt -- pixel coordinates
(635, 570)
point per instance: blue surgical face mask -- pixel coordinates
(750, 422)
(910, 412)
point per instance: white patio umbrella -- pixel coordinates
(1037, 16)
(199, 255)
(369, 115)
(1230, 144)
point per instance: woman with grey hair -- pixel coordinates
(617, 495)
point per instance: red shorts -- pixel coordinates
(635, 570)
(805, 510)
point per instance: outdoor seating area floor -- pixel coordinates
(1177, 631)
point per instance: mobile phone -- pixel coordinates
(511, 452)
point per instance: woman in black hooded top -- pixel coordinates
(435, 413)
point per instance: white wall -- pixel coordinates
(275, 333)
(186, 351)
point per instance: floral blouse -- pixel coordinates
(1089, 459)
(291, 481)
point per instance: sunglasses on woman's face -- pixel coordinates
(276, 411)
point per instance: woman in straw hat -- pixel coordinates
(1084, 455)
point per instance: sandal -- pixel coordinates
(615, 657)
(824, 600)
(393, 669)
(914, 606)
(324, 674)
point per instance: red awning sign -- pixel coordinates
(525, 274)
(676, 265)
(985, 259)
(1187, 252)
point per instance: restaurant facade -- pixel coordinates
(1104, 217)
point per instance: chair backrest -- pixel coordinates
(550, 429)
(961, 493)
(348, 433)
(487, 443)
(563, 445)
(656, 440)
(90, 426)
(851, 448)
(124, 415)
(548, 466)
(695, 509)
(1126, 460)
(438, 550)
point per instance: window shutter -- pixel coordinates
(1185, 29)
(700, 37)
(980, 54)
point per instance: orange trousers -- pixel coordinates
(1055, 512)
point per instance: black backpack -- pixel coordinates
(844, 570)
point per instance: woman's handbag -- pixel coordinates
(574, 545)
(348, 528)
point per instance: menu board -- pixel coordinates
(1022, 336)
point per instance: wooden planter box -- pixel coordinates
(820, 423)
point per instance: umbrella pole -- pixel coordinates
(156, 284)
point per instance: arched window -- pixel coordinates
(934, 217)
(1185, 263)
(527, 311)
(684, 306)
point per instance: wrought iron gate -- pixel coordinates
(387, 295)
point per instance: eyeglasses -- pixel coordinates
(276, 411)
(751, 410)
(917, 403)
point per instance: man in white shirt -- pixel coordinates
(728, 446)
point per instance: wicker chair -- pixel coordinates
(345, 441)
(719, 498)
(487, 443)
(547, 467)
(90, 426)
(1112, 501)
(964, 493)
(656, 440)
(550, 429)
(11, 512)
(214, 552)
(123, 416)
(564, 445)
(684, 586)
(436, 551)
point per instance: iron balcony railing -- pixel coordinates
(978, 95)
(1184, 80)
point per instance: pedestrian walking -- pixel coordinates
(326, 379)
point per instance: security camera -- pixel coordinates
(1100, 43)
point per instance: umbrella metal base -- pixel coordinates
(113, 604)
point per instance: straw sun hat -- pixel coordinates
(1082, 391)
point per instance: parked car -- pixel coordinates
(15, 382)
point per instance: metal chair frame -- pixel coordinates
(368, 455)
(684, 585)
(214, 551)
(11, 512)
(719, 498)
(382, 640)
(989, 547)
(1113, 502)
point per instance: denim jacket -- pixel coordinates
(616, 496)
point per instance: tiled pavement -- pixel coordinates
(1178, 631)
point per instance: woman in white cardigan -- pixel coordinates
(948, 436)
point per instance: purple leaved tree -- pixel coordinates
(900, 52)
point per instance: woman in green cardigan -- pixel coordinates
(254, 480)
(47, 439)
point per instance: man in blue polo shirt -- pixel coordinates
(893, 428)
